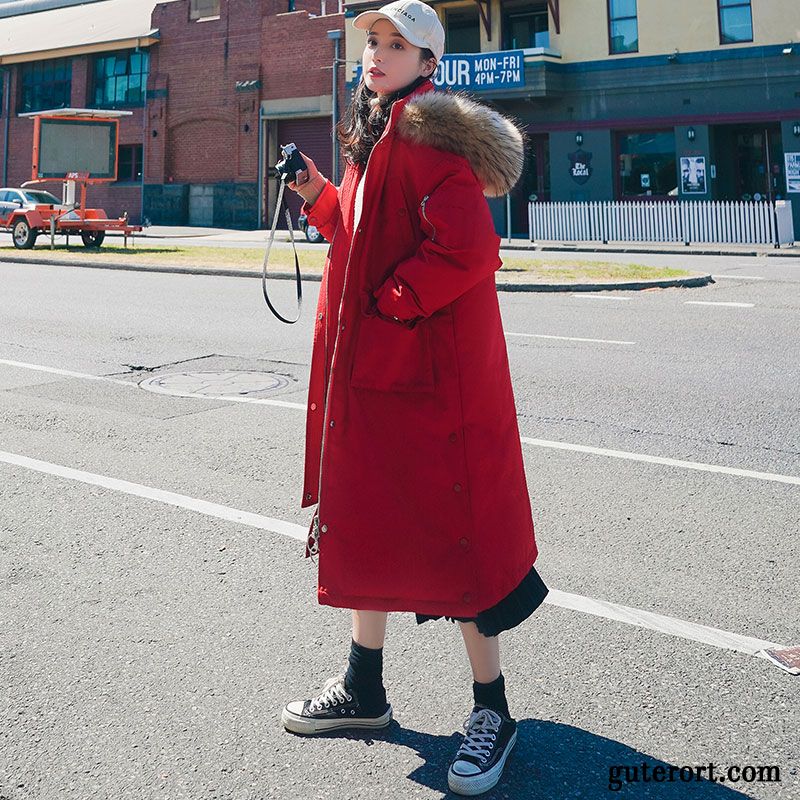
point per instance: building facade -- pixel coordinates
(622, 99)
(633, 99)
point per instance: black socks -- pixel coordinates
(365, 675)
(492, 695)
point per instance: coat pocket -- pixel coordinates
(392, 358)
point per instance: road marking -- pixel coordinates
(671, 626)
(131, 384)
(716, 303)
(670, 462)
(739, 277)
(568, 338)
(597, 296)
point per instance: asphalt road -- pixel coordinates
(148, 644)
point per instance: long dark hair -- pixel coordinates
(365, 118)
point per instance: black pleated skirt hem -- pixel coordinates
(509, 612)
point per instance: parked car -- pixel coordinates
(312, 234)
(12, 199)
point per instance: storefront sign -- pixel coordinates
(693, 175)
(503, 69)
(580, 168)
(792, 172)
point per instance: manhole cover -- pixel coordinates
(225, 383)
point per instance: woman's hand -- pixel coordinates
(310, 190)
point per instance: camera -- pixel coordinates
(292, 167)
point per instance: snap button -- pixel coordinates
(466, 597)
(456, 487)
(319, 316)
(331, 423)
(360, 230)
(313, 406)
(342, 328)
(463, 541)
(324, 528)
(452, 437)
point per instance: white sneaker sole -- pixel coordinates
(477, 784)
(297, 724)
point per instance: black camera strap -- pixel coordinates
(280, 202)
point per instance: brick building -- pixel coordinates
(213, 86)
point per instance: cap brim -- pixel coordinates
(366, 18)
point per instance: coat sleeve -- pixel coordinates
(461, 248)
(325, 212)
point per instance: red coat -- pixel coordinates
(412, 446)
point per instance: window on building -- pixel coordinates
(45, 84)
(525, 28)
(129, 166)
(735, 21)
(623, 27)
(647, 164)
(462, 31)
(120, 78)
(200, 9)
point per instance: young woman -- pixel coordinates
(413, 452)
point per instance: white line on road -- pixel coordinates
(716, 303)
(598, 296)
(745, 473)
(568, 338)
(672, 626)
(670, 462)
(131, 384)
(739, 277)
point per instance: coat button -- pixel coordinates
(463, 541)
(313, 406)
(456, 487)
(466, 597)
(308, 496)
(342, 327)
(452, 437)
(319, 316)
(331, 423)
(324, 528)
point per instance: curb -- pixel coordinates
(502, 285)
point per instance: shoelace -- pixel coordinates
(332, 693)
(481, 731)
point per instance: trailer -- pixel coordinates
(78, 147)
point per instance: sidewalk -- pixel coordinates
(656, 248)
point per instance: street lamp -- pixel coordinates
(690, 134)
(579, 139)
(796, 129)
(336, 36)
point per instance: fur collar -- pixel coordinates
(490, 141)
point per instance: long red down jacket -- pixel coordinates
(412, 446)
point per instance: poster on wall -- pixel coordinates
(793, 172)
(693, 175)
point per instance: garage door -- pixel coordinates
(313, 137)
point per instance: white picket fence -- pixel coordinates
(739, 222)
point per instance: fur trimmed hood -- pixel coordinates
(490, 141)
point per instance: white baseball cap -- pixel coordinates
(415, 20)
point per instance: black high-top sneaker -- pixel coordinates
(479, 762)
(334, 708)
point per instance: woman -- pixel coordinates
(412, 446)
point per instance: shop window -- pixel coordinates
(45, 84)
(120, 78)
(735, 21)
(200, 9)
(623, 27)
(528, 28)
(462, 31)
(647, 165)
(129, 166)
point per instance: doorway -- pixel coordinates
(749, 161)
(534, 183)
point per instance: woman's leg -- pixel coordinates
(483, 652)
(369, 628)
